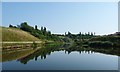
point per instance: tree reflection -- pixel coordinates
(47, 49)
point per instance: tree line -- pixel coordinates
(80, 39)
(42, 33)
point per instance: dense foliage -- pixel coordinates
(105, 41)
(80, 39)
(39, 33)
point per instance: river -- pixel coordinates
(61, 57)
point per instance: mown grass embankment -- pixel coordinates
(14, 34)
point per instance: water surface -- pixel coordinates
(59, 58)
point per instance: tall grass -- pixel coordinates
(13, 34)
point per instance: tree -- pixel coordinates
(69, 35)
(45, 29)
(35, 27)
(65, 34)
(10, 25)
(14, 27)
(91, 34)
(18, 26)
(41, 28)
(24, 26)
(94, 33)
(49, 33)
(80, 33)
(88, 33)
(85, 34)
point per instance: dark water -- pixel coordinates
(65, 57)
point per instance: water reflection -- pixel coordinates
(24, 56)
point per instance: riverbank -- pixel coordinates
(20, 44)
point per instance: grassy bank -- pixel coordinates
(14, 34)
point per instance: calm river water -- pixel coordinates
(65, 57)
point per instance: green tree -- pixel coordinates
(91, 34)
(41, 28)
(88, 33)
(10, 25)
(94, 33)
(45, 29)
(18, 26)
(24, 26)
(65, 34)
(49, 33)
(36, 27)
(69, 35)
(80, 34)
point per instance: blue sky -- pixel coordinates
(60, 17)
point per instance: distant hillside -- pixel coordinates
(14, 34)
(111, 39)
(115, 34)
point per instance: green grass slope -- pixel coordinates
(14, 34)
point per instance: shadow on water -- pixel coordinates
(24, 56)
